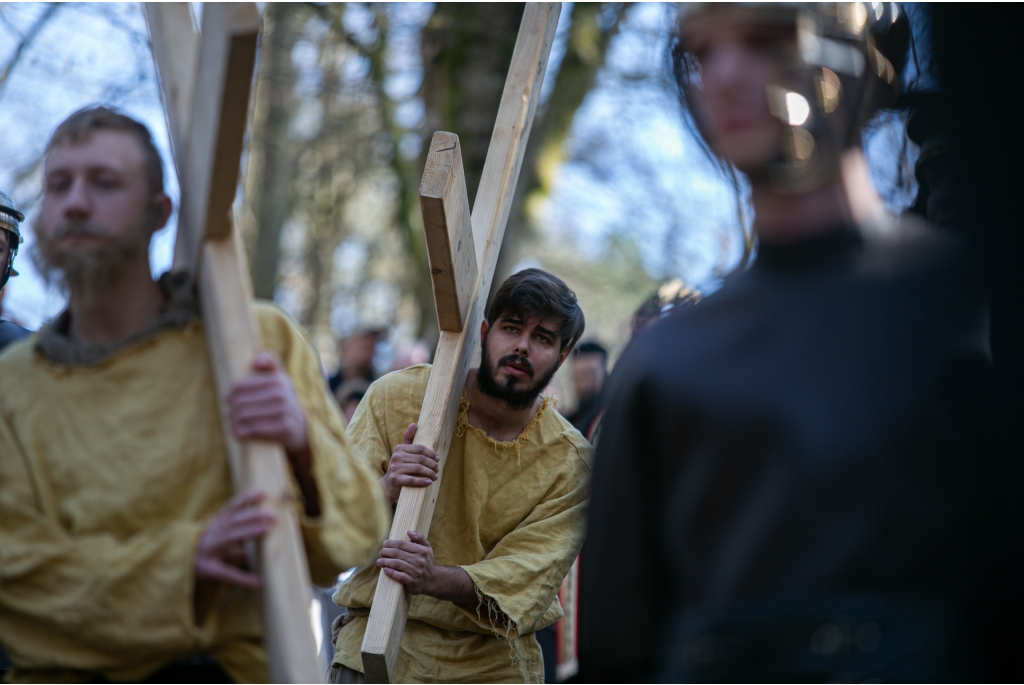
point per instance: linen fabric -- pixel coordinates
(510, 514)
(109, 471)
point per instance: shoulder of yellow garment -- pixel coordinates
(563, 430)
(410, 379)
(17, 355)
(278, 329)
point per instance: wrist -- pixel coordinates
(389, 494)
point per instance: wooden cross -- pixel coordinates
(463, 251)
(205, 80)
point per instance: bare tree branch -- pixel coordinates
(25, 43)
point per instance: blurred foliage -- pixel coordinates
(615, 196)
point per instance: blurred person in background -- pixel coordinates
(349, 394)
(356, 358)
(794, 480)
(10, 240)
(589, 372)
(417, 352)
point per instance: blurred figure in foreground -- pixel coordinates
(122, 546)
(794, 480)
(10, 239)
(661, 303)
(938, 199)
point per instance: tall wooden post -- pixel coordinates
(205, 81)
(462, 261)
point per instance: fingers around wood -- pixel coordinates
(215, 569)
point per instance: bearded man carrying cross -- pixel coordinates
(509, 516)
(121, 548)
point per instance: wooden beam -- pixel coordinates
(444, 205)
(208, 173)
(415, 509)
(175, 46)
(216, 126)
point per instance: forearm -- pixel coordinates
(453, 584)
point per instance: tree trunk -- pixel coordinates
(270, 200)
(467, 49)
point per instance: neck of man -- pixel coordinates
(493, 416)
(849, 198)
(127, 307)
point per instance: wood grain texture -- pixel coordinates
(436, 424)
(175, 46)
(208, 175)
(233, 339)
(448, 229)
(216, 126)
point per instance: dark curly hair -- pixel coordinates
(533, 292)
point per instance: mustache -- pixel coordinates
(73, 228)
(521, 361)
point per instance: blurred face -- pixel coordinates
(736, 62)
(357, 352)
(349, 410)
(519, 358)
(588, 375)
(97, 213)
(5, 245)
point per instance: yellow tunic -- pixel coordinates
(510, 514)
(109, 472)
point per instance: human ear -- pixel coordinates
(563, 355)
(161, 208)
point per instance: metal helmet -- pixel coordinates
(10, 218)
(832, 79)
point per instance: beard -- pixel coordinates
(515, 398)
(90, 272)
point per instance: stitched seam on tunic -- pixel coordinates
(462, 425)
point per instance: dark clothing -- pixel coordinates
(586, 412)
(335, 381)
(806, 448)
(9, 332)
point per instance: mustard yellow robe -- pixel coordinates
(510, 514)
(108, 474)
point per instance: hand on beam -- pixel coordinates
(412, 466)
(221, 550)
(411, 563)
(264, 406)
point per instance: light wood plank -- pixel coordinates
(448, 228)
(233, 337)
(436, 424)
(175, 46)
(211, 138)
(213, 141)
